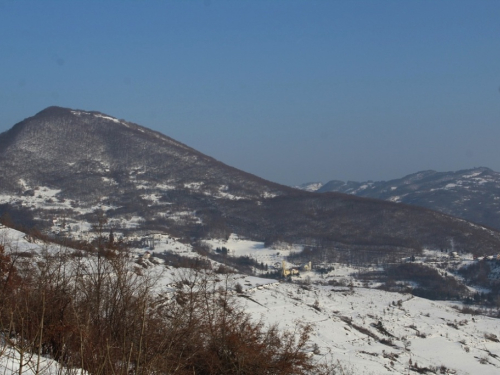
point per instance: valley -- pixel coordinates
(356, 327)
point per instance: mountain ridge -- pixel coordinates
(64, 165)
(99, 127)
(471, 194)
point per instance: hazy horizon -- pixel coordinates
(291, 91)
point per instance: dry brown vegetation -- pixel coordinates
(93, 312)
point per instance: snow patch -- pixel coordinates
(193, 185)
(267, 195)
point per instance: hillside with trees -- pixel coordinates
(61, 166)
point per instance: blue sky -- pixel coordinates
(292, 91)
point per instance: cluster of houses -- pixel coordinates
(291, 271)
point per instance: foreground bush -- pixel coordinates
(91, 311)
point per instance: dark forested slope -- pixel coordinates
(92, 160)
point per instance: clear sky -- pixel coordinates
(292, 91)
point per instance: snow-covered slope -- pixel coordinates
(361, 330)
(376, 332)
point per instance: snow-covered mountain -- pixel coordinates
(61, 167)
(310, 186)
(472, 194)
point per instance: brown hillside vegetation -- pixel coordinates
(89, 310)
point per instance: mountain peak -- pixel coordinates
(59, 144)
(55, 111)
(72, 162)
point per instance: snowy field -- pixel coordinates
(10, 363)
(376, 332)
(368, 331)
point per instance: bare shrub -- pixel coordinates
(491, 337)
(238, 288)
(95, 313)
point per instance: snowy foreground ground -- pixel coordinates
(367, 331)
(348, 325)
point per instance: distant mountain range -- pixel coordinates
(472, 194)
(62, 168)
